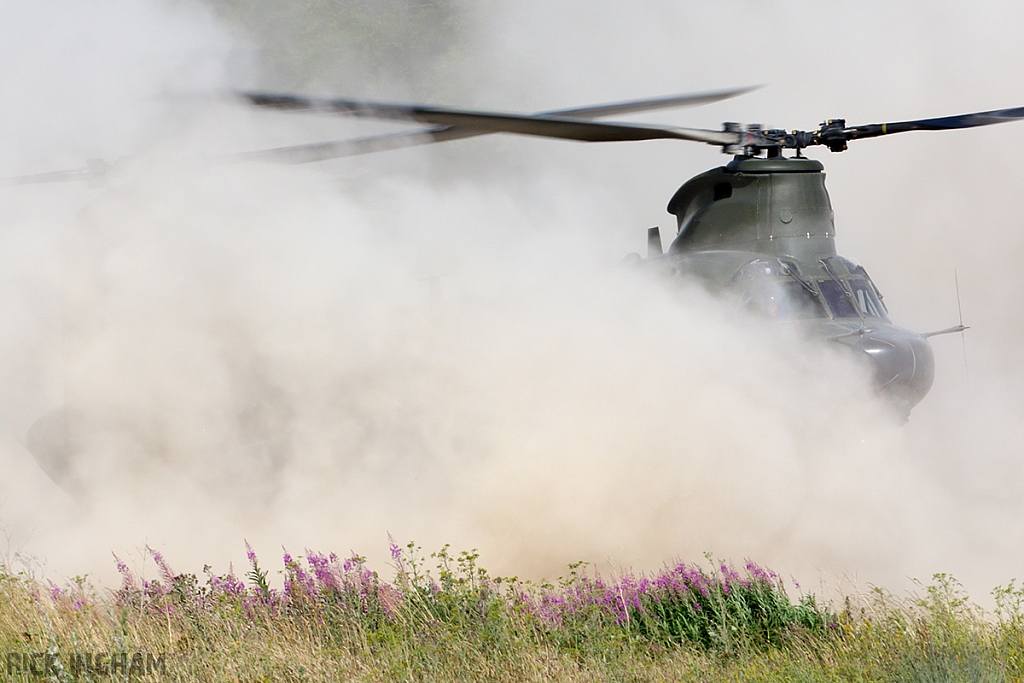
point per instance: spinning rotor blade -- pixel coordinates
(455, 124)
(634, 106)
(835, 134)
(415, 113)
(542, 125)
(983, 118)
(563, 127)
(323, 151)
(563, 123)
(94, 173)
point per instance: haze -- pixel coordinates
(434, 343)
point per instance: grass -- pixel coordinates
(334, 619)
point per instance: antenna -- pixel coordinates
(960, 312)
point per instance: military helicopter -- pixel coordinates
(760, 229)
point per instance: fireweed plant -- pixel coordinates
(333, 617)
(717, 608)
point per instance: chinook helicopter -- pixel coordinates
(761, 228)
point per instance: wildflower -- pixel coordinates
(166, 573)
(128, 581)
(396, 551)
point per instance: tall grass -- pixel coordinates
(335, 619)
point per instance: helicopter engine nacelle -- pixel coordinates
(776, 206)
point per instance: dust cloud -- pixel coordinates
(436, 343)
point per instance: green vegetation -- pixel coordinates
(336, 620)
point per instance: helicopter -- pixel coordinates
(759, 230)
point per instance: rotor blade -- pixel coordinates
(94, 173)
(455, 124)
(50, 177)
(353, 107)
(322, 151)
(542, 125)
(634, 106)
(984, 118)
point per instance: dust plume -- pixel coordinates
(436, 343)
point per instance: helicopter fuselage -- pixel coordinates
(761, 231)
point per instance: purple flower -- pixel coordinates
(166, 573)
(128, 582)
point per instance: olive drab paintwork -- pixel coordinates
(762, 231)
(771, 206)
